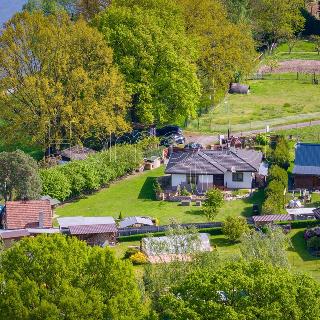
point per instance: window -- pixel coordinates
(192, 179)
(237, 176)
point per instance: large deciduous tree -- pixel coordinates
(58, 81)
(226, 49)
(90, 8)
(50, 6)
(55, 277)
(241, 290)
(19, 176)
(156, 57)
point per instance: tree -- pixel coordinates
(316, 40)
(242, 290)
(59, 277)
(212, 203)
(90, 8)
(270, 247)
(50, 6)
(292, 41)
(235, 227)
(272, 63)
(278, 174)
(224, 52)
(156, 57)
(58, 82)
(275, 198)
(275, 19)
(281, 154)
(19, 176)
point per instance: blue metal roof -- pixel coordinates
(307, 159)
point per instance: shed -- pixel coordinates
(267, 219)
(94, 230)
(302, 213)
(9, 237)
(53, 202)
(237, 88)
(135, 222)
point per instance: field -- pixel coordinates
(307, 134)
(279, 99)
(300, 259)
(135, 196)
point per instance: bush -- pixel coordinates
(212, 203)
(262, 139)
(130, 252)
(299, 224)
(139, 258)
(235, 227)
(281, 154)
(314, 243)
(184, 192)
(276, 173)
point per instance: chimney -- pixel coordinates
(41, 219)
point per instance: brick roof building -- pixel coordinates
(27, 214)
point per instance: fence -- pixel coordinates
(153, 229)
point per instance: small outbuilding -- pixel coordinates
(271, 218)
(101, 231)
(237, 88)
(9, 237)
(53, 202)
(135, 222)
(76, 153)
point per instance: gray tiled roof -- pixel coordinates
(214, 162)
(307, 159)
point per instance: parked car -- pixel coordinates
(255, 209)
(169, 130)
(193, 146)
(172, 140)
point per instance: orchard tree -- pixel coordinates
(59, 277)
(316, 41)
(235, 227)
(269, 247)
(212, 203)
(19, 176)
(242, 290)
(156, 57)
(58, 81)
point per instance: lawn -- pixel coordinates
(134, 196)
(309, 134)
(270, 102)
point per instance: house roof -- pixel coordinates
(76, 153)
(307, 159)
(11, 234)
(214, 161)
(93, 229)
(66, 222)
(24, 214)
(129, 221)
(43, 230)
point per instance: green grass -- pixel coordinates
(309, 134)
(271, 102)
(300, 46)
(135, 196)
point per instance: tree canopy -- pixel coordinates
(156, 57)
(19, 176)
(241, 290)
(58, 81)
(55, 277)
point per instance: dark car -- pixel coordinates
(193, 146)
(168, 131)
(255, 209)
(172, 140)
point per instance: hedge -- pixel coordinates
(299, 224)
(83, 176)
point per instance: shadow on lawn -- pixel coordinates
(257, 198)
(221, 242)
(300, 247)
(147, 192)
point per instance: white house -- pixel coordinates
(232, 168)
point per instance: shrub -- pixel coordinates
(157, 187)
(130, 252)
(281, 153)
(276, 173)
(314, 243)
(139, 258)
(235, 227)
(262, 139)
(184, 192)
(212, 203)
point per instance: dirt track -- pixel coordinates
(305, 66)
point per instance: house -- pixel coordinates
(175, 247)
(75, 153)
(135, 222)
(229, 168)
(53, 202)
(306, 170)
(94, 230)
(27, 214)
